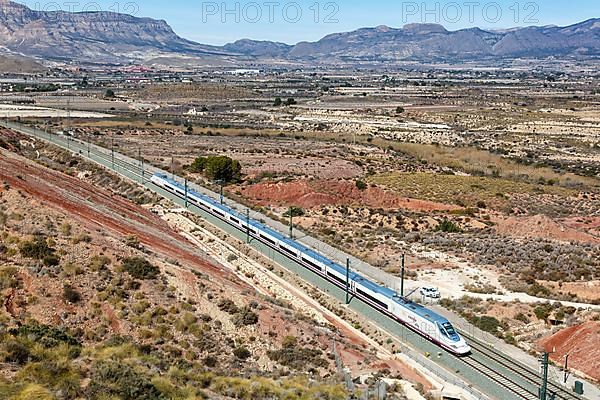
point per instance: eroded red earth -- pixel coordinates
(101, 210)
(582, 343)
(308, 194)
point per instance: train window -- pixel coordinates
(312, 264)
(373, 299)
(267, 239)
(289, 251)
(340, 280)
(234, 220)
(219, 212)
(449, 328)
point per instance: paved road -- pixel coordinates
(443, 363)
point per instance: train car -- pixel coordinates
(420, 319)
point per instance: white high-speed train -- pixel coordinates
(420, 319)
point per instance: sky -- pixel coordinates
(223, 21)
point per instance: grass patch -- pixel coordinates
(466, 191)
(482, 162)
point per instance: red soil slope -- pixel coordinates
(582, 343)
(540, 226)
(99, 209)
(327, 192)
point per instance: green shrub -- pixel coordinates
(228, 306)
(542, 312)
(16, 352)
(117, 379)
(522, 317)
(71, 295)
(537, 290)
(242, 353)
(9, 278)
(289, 342)
(448, 227)
(487, 323)
(83, 238)
(132, 241)
(361, 185)
(47, 336)
(293, 356)
(245, 317)
(33, 391)
(66, 229)
(215, 168)
(51, 260)
(53, 374)
(37, 248)
(98, 263)
(295, 212)
(210, 361)
(140, 268)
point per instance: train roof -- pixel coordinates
(421, 311)
(372, 286)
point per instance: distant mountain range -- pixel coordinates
(105, 37)
(89, 36)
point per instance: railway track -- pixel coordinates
(510, 384)
(483, 359)
(527, 373)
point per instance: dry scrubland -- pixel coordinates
(490, 177)
(101, 298)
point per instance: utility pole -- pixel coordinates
(402, 277)
(291, 211)
(347, 281)
(173, 167)
(186, 193)
(221, 197)
(544, 387)
(566, 369)
(112, 151)
(141, 163)
(88, 145)
(247, 225)
(68, 115)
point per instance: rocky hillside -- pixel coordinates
(19, 65)
(434, 42)
(90, 36)
(105, 37)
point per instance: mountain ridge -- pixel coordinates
(108, 37)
